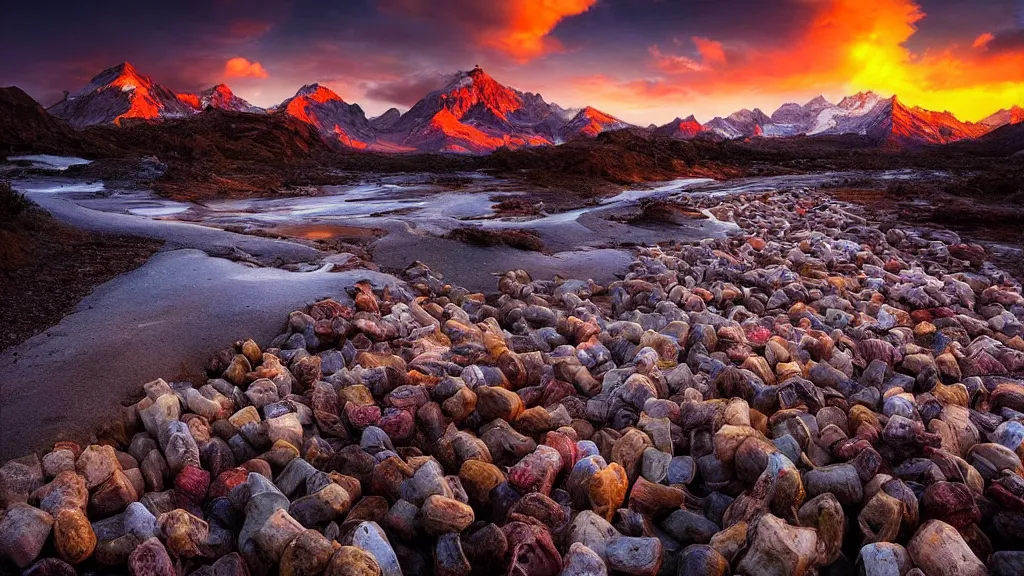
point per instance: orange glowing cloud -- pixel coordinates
(848, 46)
(242, 68)
(518, 29)
(983, 40)
(969, 83)
(529, 23)
(673, 64)
(711, 52)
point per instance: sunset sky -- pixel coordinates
(642, 60)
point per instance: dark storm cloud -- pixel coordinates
(61, 45)
(644, 22)
(959, 21)
(1007, 41)
(405, 91)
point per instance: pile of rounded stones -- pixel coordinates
(815, 394)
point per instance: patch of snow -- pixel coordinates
(825, 121)
(860, 104)
(461, 80)
(159, 210)
(58, 187)
(50, 162)
(568, 113)
(780, 130)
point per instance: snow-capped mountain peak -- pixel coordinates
(123, 76)
(1015, 115)
(121, 92)
(740, 124)
(818, 103)
(594, 113)
(475, 113)
(885, 120)
(475, 88)
(118, 93)
(590, 122)
(565, 113)
(221, 90)
(681, 128)
(221, 97)
(860, 103)
(336, 120)
(318, 92)
(472, 113)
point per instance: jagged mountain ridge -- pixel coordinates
(680, 128)
(386, 121)
(474, 113)
(1014, 115)
(122, 93)
(222, 98)
(886, 120)
(119, 93)
(589, 122)
(917, 125)
(337, 121)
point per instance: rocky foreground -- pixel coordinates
(816, 394)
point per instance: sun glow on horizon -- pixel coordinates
(849, 46)
(965, 81)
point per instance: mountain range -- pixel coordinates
(475, 114)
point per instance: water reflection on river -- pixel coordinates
(405, 218)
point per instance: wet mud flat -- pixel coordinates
(63, 266)
(241, 267)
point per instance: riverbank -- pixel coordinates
(47, 267)
(821, 388)
(162, 319)
(597, 243)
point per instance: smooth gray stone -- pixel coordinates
(582, 561)
(681, 470)
(689, 527)
(140, 522)
(655, 464)
(370, 537)
(634, 555)
(883, 559)
(592, 531)
(294, 477)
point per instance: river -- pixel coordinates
(214, 282)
